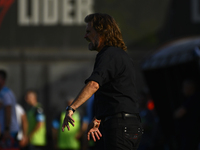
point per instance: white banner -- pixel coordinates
(53, 12)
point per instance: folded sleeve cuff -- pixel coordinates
(95, 77)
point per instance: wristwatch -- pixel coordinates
(70, 108)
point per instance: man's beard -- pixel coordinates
(93, 46)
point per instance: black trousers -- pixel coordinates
(122, 133)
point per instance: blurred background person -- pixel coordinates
(152, 138)
(23, 126)
(8, 119)
(36, 121)
(188, 117)
(67, 140)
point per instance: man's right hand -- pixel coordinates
(68, 119)
(93, 130)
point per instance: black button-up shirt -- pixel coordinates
(114, 72)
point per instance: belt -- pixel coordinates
(122, 115)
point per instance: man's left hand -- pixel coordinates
(93, 130)
(68, 119)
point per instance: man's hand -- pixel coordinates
(93, 130)
(68, 119)
(24, 141)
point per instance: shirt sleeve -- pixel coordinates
(40, 118)
(39, 115)
(56, 121)
(105, 69)
(7, 99)
(19, 109)
(55, 124)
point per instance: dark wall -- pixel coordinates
(182, 19)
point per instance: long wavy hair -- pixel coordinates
(107, 27)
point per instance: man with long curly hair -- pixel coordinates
(113, 83)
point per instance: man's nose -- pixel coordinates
(85, 36)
